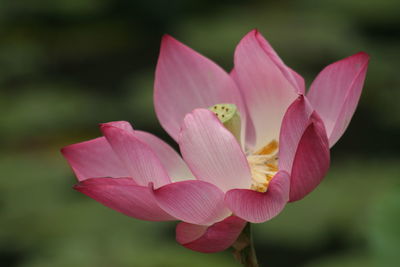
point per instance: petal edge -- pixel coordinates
(125, 196)
(259, 207)
(214, 238)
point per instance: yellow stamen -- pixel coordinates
(269, 148)
(263, 165)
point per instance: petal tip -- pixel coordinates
(253, 34)
(104, 128)
(166, 37)
(63, 150)
(255, 31)
(167, 41)
(79, 186)
(363, 54)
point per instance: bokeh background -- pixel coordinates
(67, 65)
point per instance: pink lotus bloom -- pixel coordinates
(223, 180)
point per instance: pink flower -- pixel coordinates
(222, 183)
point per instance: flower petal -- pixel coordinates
(214, 238)
(259, 207)
(186, 80)
(192, 201)
(335, 92)
(250, 132)
(212, 152)
(138, 158)
(294, 123)
(170, 159)
(293, 77)
(123, 125)
(94, 158)
(125, 196)
(312, 160)
(266, 90)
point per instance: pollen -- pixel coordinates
(263, 166)
(270, 148)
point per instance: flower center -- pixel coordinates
(229, 115)
(263, 166)
(263, 163)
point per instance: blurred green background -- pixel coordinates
(67, 65)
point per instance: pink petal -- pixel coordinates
(335, 92)
(266, 90)
(293, 77)
(170, 159)
(94, 158)
(123, 125)
(192, 201)
(295, 121)
(212, 152)
(186, 80)
(138, 158)
(312, 160)
(259, 207)
(214, 238)
(125, 196)
(250, 131)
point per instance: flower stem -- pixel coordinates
(243, 248)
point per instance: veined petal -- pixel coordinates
(212, 152)
(294, 123)
(293, 77)
(250, 132)
(138, 158)
(186, 80)
(170, 159)
(259, 207)
(192, 201)
(214, 238)
(94, 158)
(265, 89)
(125, 196)
(335, 92)
(311, 161)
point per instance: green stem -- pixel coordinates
(243, 248)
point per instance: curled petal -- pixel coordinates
(294, 123)
(94, 158)
(186, 80)
(170, 159)
(259, 207)
(335, 92)
(311, 161)
(209, 239)
(212, 152)
(192, 201)
(138, 158)
(125, 196)
(266, 90)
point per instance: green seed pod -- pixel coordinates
(229, 115)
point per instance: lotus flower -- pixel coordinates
(278, 153)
